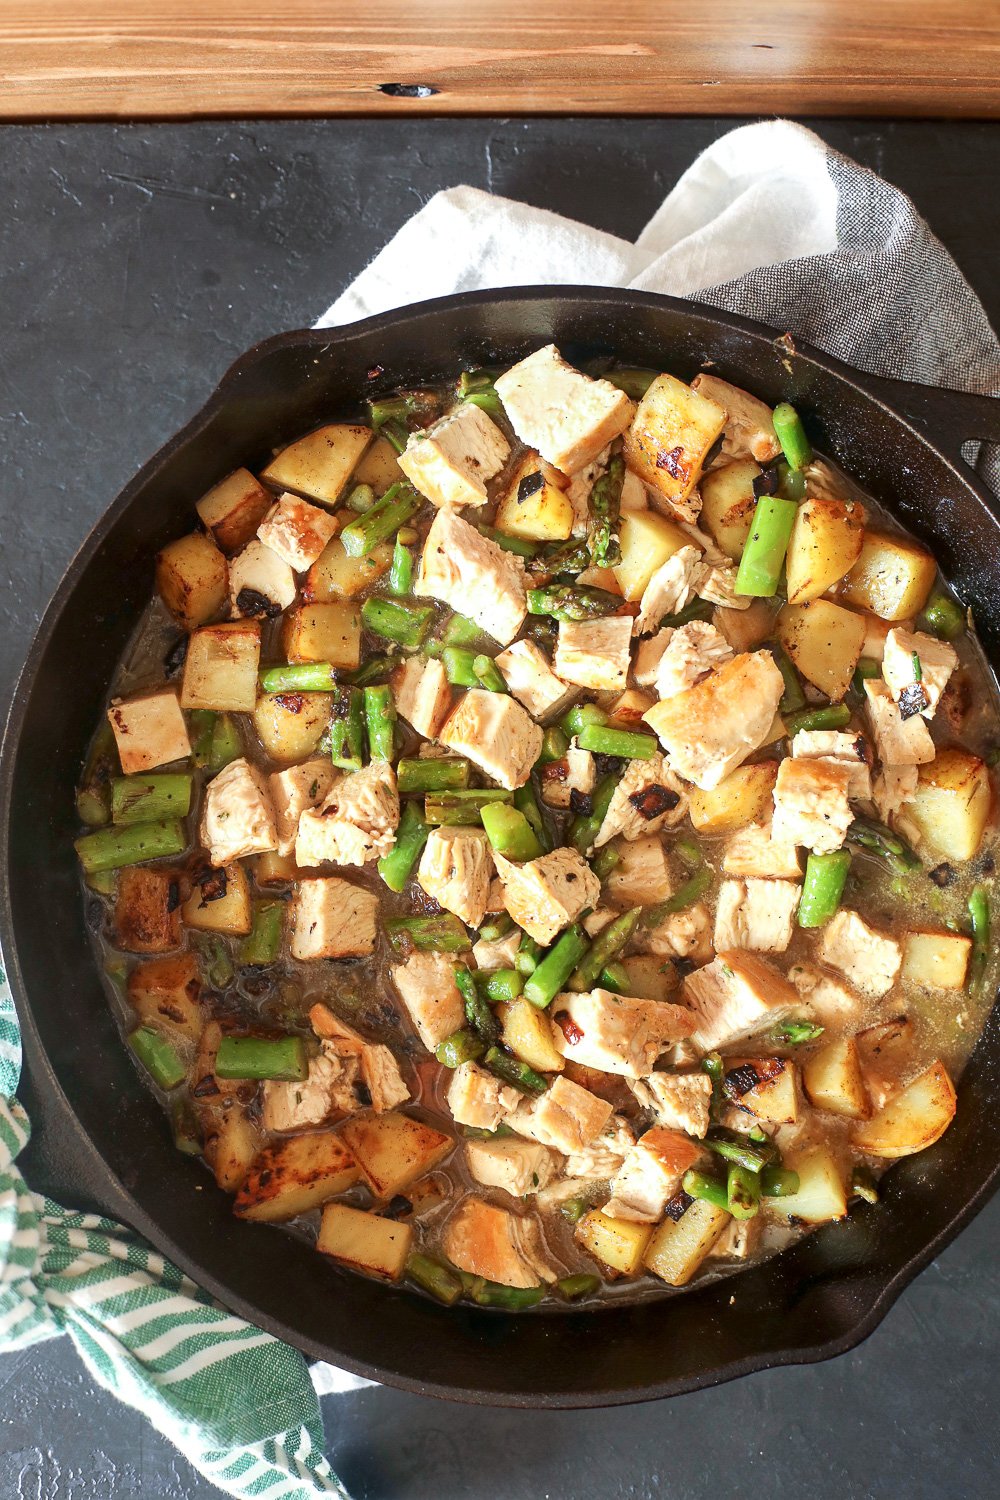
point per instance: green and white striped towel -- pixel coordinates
(237, 1403)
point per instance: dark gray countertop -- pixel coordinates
(136, 263)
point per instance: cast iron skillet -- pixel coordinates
(821, 1297)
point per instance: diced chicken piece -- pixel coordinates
(746, 629)
(894, 787)
(811, 804)
(579, 488)
(494, 900)
(692, 652)
(568, 417)
(650, 1175)
(332, 918)
(296, 531)
(519, 1168)
(642, 875)
(455, 869)
(712, 728)
(916, 668)
(260, 582)
(381, 1077)
(754, 851)
(717, 585)
(648, 656)
(237, 818)
(527, 673)
(749, 430)
(329, 1089)
(451, 461)
(499, 954)
(573, 772)
(485, 1240)
(671, 589)
(597, 921)
(355, 824)
(680, 1101)
(683, 934)
(739, 1240)
(867, 958)
(149, 730)
(898, 741)
(831, 1002)
(566, 1117)
(756, 914)
(648, 797)
(617, 1033)
(833, 745)
(475, 576)
(426, 984)
(294, 790)
(595, 654)
(478, 1099)
(545, 894)
(496, 734)
(422, 695)
(602, 1159)
(735, 996)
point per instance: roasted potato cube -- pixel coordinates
(746, 629)
(294, 1175)
(533, 506)
(952, 804)
(290, 724)
(334, 575)
(822, 1194)
(824, 641)
(233, 509)
(740, 798)
(273, 868)
(912, 1120)
(378, 467)
(527, 1031)
(678, 1247)
(728, 503)
(319, 464)
(647, 540)
(192, 579)
(826, 541)
(617, 1243)
(833, 1080)
(220, 902)
(892, 577)
(671, 435)
(364, 1240)
(149, 730)
(764, 1087)
(887, 1055)
(232, 1140)
(393, 1150)
(164, 993)
(147, 910)
(220, 670)
(325, 632)
(937, 960)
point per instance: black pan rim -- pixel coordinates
(874, 390)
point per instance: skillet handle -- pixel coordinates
(949, 418)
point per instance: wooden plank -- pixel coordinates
(80, 59)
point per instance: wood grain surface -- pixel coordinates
(157, 59)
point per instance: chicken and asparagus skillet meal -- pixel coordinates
(541, 836)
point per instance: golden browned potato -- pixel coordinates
(671, 435)
(833, 1080)
(319, 464)
(738, 799)
(527, 1031)
(234, 508)
(393, 1150)
(365, 1240)
(192, 579)
(647, 541)
(952, 803)
(164, 993)
(533, 506)
(822, 1193)
(220, 902)
(892, 577)
(826, 541)
(766, 1087)
(325, 632)
(147, 915)
(378, 467)
(936, 960)
(824, 641)
(294, 1175)
(232, 1140)
(335, 575)
(617, 1243)
(728, 503)
(678, 1247)
(290, 724)
(220, 670)
(911, 1120)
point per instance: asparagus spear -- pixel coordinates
(572, 602)
(149, 799)
(493, 1294)
(407, 624)
(443, 934)
(361, 499)
(604, 861)
(516, 544)
(614, 977)
(823, 887)
(740, 1149)
(887, 846)
(554, 746)
(384, 519)
(527, 958)
(371, 671)
(282, 1058)
(299, 677)
(347, 729)
(791, 435)
(380, 717)
(401, 572)
(185, 1129)
(489, 675)
(778, 1182)
(944, 618)
(579, 717)
(477, 1011)
(159, 1057)
(509, 832)
(572, 1288)
(584, 830)
(979, 915)
(742, 1192)
(114, 848)
(527, 803)
(432, 775)
(512, 1070)
(460, 666)
(700, 1185)
(434, 1278)
(461, 1047)
(412, 834)
(462, 806)
(829, 716)
(609, 941)
(764, 552)
(605, 499)
(499, 985)
(263, 942)
(603, 740)
(634, 382)
(795, 1032)
(555, 968)
(793, 698)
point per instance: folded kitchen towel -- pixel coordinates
(768, 222)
